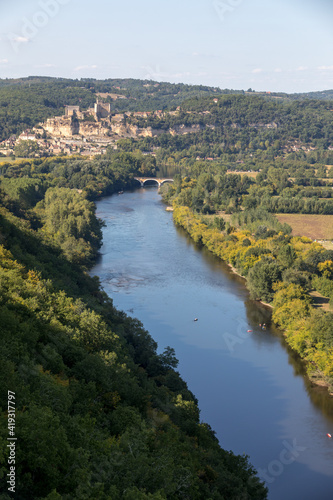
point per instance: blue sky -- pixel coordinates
(275, 45)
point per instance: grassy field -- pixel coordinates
(316, 227)
(319, 301)
(253, 175)
(8, 159)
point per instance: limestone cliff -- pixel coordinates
(61, 127)
(66, 127)
(93, 129)
(183, 129)
(129, 130)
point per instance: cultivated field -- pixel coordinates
(316, 227)
(8, 159)
(240, 172)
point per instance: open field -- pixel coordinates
(8, 159)
(316, 227)
(253, 175)
(319, 301)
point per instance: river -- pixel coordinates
(251, 388)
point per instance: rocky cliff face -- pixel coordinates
(124, 130)
(93, 129)
(67, 128)
(61, 127)
(183, 129)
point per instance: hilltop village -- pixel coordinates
(87, 132)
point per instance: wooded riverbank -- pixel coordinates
(307, 331)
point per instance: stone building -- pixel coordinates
(102, 109)
(70, 110)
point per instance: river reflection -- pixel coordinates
(251, 388)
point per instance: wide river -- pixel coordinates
(251, 388)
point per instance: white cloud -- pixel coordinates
(3, 61)
(257, 70)
(19, 39)
(301, 68)
(79, 68)
(278, 70)
(46, 65)
(325, 68)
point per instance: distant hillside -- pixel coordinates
(24, 102)
(236, 125)
(324, 94)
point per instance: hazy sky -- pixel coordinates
(277, 45)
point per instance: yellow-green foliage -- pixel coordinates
(291, 303)
(309, 332)
(326, 268)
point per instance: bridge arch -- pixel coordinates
(150, 182)
(163, 181)
(144, 180)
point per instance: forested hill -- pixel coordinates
(242, 129)
(324, 94)
(24, 102)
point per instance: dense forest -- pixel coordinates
(98, 412)
(234, 128)
(210, 190)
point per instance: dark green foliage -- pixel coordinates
(26, 102)
(99, 413)
(95, 178)
(262, 277)
(26, 192)
(69, 219)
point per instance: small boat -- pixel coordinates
(328, 435)
(195, 319)
(249, 331)
(120, 192)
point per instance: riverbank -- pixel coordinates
(305, 330)
(317, 381)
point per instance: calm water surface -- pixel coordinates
(250, 387)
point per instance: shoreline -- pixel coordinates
(234, 270)
(318, 382)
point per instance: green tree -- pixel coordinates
(26, 149)
(262, 277)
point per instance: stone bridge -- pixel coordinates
(159, 181)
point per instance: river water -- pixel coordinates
(251, 388)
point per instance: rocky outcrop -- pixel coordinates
(61, 127)
(88, 129)
(124, 130)
(183, 129)
(66, 127)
